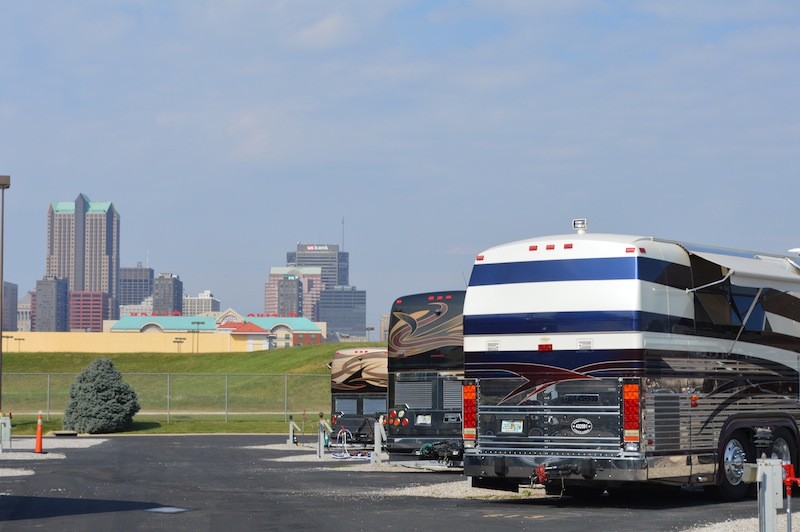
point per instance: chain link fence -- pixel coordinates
(183, 395)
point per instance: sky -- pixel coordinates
(414, 134)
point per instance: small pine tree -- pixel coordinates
(99, 401)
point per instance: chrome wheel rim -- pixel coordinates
(734, 459)
(780, 449)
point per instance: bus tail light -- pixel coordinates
(631, 414)
(470, 414)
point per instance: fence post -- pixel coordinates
(168, 397)
(48, 397)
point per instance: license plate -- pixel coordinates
(511, 426)
(424, 419)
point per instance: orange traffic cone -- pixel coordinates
(39, 435)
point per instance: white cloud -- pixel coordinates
(330, 32)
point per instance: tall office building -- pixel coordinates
(344, 309)
(50, 305)
(335, 264)
(10, 295)
(290, 296)
(83, 247)
(167, 294)
(281, 296)
(135, 284)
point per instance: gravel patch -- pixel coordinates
(741, 525)
(13, 472)
(23, 448)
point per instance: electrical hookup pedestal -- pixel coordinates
(5, 432)
(772, 475)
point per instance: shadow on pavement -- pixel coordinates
(20, 508)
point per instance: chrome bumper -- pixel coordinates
(679, 470)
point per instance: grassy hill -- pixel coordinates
(309, 359)
(189, 391)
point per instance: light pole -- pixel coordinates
(197, 324)
(18, 340)
(5, 182)
(369, 330)
(7, 337)
(179, 341)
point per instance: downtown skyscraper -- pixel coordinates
(83, 247)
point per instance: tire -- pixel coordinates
(785, 448)
(737, 451)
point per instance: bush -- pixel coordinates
(99, 401)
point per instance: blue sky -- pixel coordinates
(227, 131)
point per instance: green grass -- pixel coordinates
(304, 359)
(26, 425)
(196, 382)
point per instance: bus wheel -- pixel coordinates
(737, 451)
(785, 449)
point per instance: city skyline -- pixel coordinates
(226, 133)
(83, 249)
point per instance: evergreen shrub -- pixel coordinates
(99, 400)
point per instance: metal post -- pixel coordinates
(226, 398)
(48, 397)
(320, 439)
(285, 396)
(789, 513)
(5, 182)
(167, 397)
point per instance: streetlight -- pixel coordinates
(18, 343)
(179, 341)
(7, 337)
(197, 333)
(5, 182)
(369, 329)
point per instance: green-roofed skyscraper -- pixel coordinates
(83, 246)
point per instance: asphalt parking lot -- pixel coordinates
(257, 482)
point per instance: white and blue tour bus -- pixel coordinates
(601, 362)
